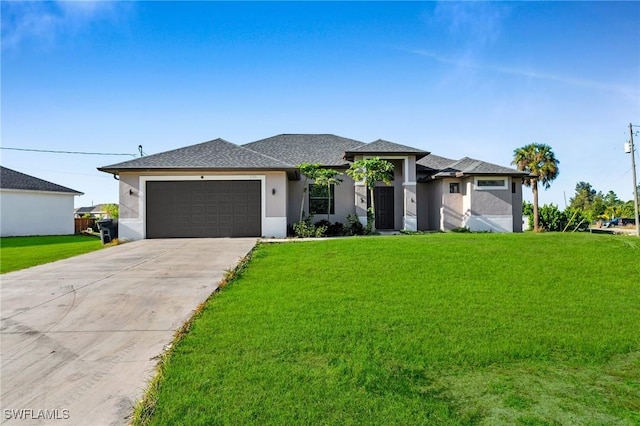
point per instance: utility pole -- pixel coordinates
(635, 182)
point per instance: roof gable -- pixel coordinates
(381, 146)
(435, 162)
(11, 179)
(215, 154)
(325, 149)
(441, 167)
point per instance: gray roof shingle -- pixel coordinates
(435, 162)
(215, 154)
(11, 179)
(381, 146)
(296, 149)
(441, 166)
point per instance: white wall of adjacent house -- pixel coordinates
(25, 213)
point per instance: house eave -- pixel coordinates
(40, 191)
(292, 173)
(350, 155)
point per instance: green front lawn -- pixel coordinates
(23, 252)
(529, 329)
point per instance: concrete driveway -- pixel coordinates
(79, 336)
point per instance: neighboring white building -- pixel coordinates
(32, 206)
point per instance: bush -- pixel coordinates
(335, 229)
(353, 226)
(320, 231)
(461, 229)
(551, 218)
(304, 229)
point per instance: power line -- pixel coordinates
(64, 152)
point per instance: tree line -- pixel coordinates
(586, 206)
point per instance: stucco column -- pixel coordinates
(410, 213)
(361, 202)
(410, 218)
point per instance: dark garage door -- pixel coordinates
(210, 208)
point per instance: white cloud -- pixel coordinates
(44, 22)
(474, 23)
(467, 62)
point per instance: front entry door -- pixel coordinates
(384, 207)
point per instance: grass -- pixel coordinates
(527, 329)
(23, 252)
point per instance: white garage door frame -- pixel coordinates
(134, 229)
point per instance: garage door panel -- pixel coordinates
(182, 209)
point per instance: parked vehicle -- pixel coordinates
(626, 221)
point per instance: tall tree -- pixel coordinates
(370, 172)
(611, 199)
(326, 178)
(584, 197)
(541, 164)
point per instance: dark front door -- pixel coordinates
(192, 209)
(384, 207)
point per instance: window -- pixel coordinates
(319, 197)
(454, 188)
(513, 187)
(491, 183)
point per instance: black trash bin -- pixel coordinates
(108, 230)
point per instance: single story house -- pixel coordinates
(98, 211)
(33, 206)
(220, 189)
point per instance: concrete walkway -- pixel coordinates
(79, 336)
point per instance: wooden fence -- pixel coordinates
(82, 223)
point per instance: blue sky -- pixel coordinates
(456, 79)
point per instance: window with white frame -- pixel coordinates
(490, 183)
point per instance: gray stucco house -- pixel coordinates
(220, 189)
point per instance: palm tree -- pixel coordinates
(542, 165)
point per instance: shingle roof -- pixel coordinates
(473, 166)
(100, 208)
(215, 154)
(385, 147)
(11, 179)
(441, 166)
(296, 149)
(435, 162)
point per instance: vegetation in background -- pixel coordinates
(371, 171)
(540, 161)
(598, 206)
(585, 207)
(440, 329)
(112, 210)
(23, 252)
